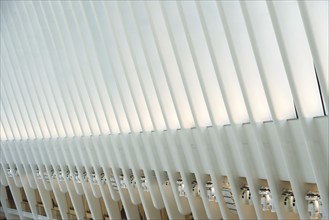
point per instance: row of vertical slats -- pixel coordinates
(198, 204)
(73, 76)
(74, 69)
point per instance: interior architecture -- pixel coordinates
(164, 109)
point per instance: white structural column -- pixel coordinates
(263, 61)
(294, 54)
(315, 19)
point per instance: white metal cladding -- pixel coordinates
(226, 88)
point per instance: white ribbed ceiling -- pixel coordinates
(71, 68)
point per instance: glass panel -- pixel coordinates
(299, 59)
(223, 60)
(245, 63)
(271, 60)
